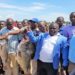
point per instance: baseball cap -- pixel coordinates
(35, 20)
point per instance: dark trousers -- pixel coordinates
(45, 68)
(61, 66)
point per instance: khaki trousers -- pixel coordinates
(3, 53)
(12, 66)
(24, 62)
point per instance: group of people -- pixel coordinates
(34, 47)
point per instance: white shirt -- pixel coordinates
(46, 53)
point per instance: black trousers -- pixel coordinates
(62, 68)
(45, 68)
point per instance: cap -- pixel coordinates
(35, 20)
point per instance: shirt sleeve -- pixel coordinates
(32, 37)
(65, 53)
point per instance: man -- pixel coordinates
(3, 45)
(60, 21)
(43, 26)
(20, 36)
(25, 51)
(12, 42)
(48, 50)
(72, 55)
(34, 23)
(25, 22)
(2, 24)
(69, 32)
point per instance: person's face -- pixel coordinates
(25, 23)
(53, 29)
(42, 28)
(9, 23)
(19, 25)
(60, 21)
(2, 24)
(72, 18)
(32, 25)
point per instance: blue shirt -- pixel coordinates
(69, 31)
(72, 49)
(12, 41)
(61, 43)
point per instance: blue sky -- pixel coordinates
(47, 10)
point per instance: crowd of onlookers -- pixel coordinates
(33, 47)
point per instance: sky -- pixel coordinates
(47, 10)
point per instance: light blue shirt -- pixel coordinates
(12, 41)
(72, 49)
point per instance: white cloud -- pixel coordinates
(3, 5)
(5, 15)
(31, 11)
(39, 4)
(13, 11)
(57, 14)
(35, 6)
(22, 8)
(45, 5)
(53, 15)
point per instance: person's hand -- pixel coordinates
(64, 72)
(6, 36)
(24, 28)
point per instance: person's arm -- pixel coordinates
(17, 31)
(3, 36)
(64, 72)
(65, 54)
(30, 34)
(32, 37)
